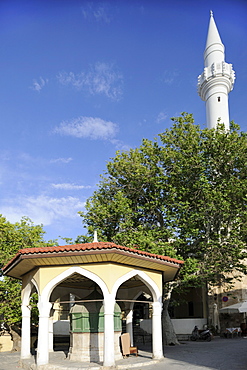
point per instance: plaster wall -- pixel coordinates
(223, 296)
(6, 344)
(185, 326)
(108, 272)
(181, 326)
(241, 286)
(236, 293)
(36, 276)
(46, 274)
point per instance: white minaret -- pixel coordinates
(217, 79)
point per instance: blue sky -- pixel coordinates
(80, 80)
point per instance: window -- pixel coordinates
(218, 98)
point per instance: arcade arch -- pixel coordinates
(74, 280)
(127, 289)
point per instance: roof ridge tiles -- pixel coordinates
(98, 245)
(90, 246)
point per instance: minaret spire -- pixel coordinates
(217, 79)
(214, 50)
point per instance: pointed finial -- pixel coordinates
(95, 238)
(211, 13)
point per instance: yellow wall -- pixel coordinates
(6, 344)
(108, 272)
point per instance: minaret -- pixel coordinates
(217, 79)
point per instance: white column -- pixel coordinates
(43, 333)
(51, 334)
(129, 326)
(25, 332)
(109, 355)
(157, 331)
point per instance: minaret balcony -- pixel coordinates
(217, 69)
(221, 73)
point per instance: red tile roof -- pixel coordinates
(96, 246)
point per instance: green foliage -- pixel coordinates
(10, 300)
(80, 239)
(183, 195)
(23, 234)
(34, 308)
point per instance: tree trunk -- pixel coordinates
(15, 332)
(169, 335)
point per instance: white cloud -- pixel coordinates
(120, 145)
(88, 127)
(169, 77)
(38, 85)
(42, 209)
(161, 117)
(99, 12)
(102, 78)
(65, 78)
(61, 160)
(68, 186)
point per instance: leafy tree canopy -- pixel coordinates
(181, 195)
(23, 234)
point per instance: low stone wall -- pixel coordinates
(6, 344)
(184, 327)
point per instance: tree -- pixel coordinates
(23, 234)
(184, 196)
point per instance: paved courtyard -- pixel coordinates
(219, 354)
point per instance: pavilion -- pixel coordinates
(118, 274)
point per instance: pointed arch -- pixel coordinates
(134, 298)
(27, 291)
(35, 285)
(45, 295)
(156, 293)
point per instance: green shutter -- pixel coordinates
(92, 322)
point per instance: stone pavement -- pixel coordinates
(219, 354)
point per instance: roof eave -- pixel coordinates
(20, 257)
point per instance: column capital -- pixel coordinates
(44, 309)
(26, 310)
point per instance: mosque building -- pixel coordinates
(199, 306)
